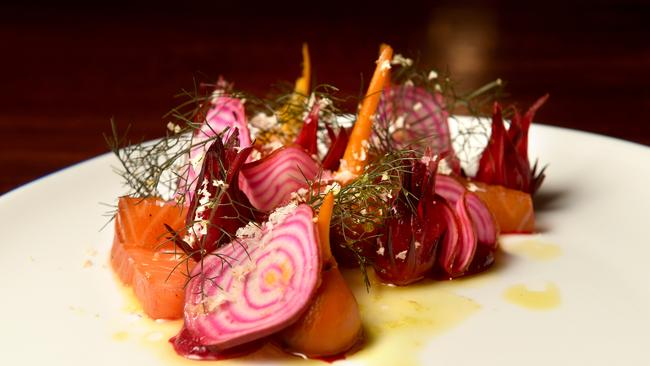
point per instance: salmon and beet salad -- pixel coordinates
(241, 218)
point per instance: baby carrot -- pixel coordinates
(291, 111)
(354, 158)
(302, 83)
(324, 217)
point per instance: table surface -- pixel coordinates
(65, 71)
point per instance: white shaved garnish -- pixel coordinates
(432, 75)
(325, 102)
(204, 199)
(474, 188)
(344, 175)
(216, 94)
(380, 251)
(386, 196)
(199, 227)
(310, 104)
(426, 159)
(417, 244)
(417, 106)
(444, 168)
(401, 255)
(335, 188)
(300, 195)
(401, 60)
(173, 127)
(360, 156)
(189, 238)
(251, 230)
(212, 303)
(264, 121)
(277, 217)
(385, 65)
(219, 184)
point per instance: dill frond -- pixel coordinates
(362, 206)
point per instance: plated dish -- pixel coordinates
(413, 323)
(240, 220)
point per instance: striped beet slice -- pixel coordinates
(486, 227)
(269, 182)
(249, 289)
(416, 117)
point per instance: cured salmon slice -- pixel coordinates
(140, 221)
(144, 258)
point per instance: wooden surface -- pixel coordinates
(66, 70)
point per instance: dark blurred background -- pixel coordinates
(67, 68)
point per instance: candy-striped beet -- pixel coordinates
(256, 286)
(270, 181)
(485, 225)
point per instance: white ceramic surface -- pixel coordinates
(60, 301)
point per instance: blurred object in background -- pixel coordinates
(66, 69)
(463, 41)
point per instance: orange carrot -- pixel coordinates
(324, 218)
(290, 111)
(331, 325)
(354, 158)
(302, 83)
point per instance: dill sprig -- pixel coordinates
(362, 206)
(216, 211)
(146, 166)
(440, 82)
(155, 168)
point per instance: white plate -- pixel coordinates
(61, 305)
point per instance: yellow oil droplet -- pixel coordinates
(120, 336)
(131, 304)
(399, 321)
(534, 249)
(544, 299)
